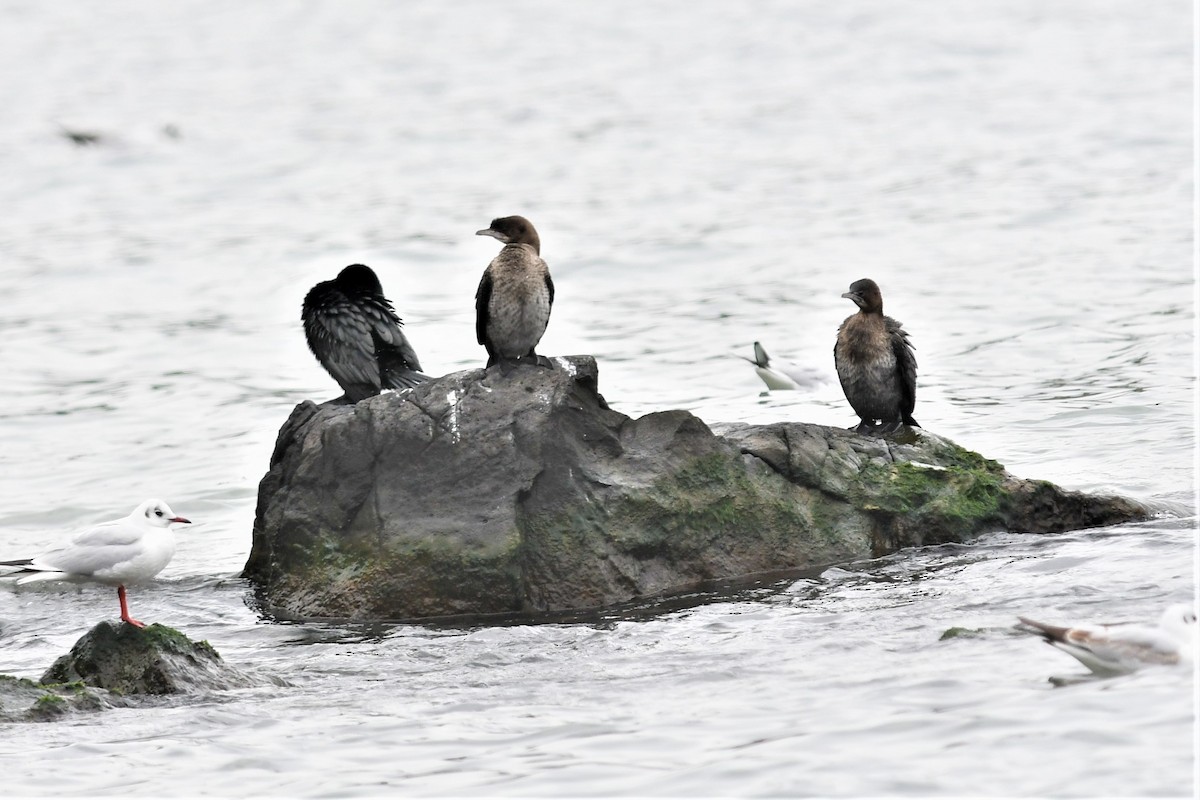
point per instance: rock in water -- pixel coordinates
(483, 493)
(22, 700)
(154, 660)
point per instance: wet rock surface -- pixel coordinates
(155, 660)
(118, 665)
(493, 492)
(22, 700)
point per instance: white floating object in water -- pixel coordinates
(1122, 648)
(782, 377)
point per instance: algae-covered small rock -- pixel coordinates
(22, 700)
(155, 660)
(962, 633)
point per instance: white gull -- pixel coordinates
(782, 377)
(127, 550)
(1120, 648)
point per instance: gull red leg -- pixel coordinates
(125, 609)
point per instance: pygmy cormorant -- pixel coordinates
(354, 332)
(512, 303)
(875, 362)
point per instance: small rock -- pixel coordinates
(22, 700)
(963, 633)
(155, 660)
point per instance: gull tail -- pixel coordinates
(29, 572)
(35, 575)
(760, 356)
(1051, 633)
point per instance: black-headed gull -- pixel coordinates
(782, 377)
(1121, 648)
(127, 550)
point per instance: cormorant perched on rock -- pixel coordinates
(875, 362)
(512, 304)
(354, 332)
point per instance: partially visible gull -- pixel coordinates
(785, 376)
(1121, 648)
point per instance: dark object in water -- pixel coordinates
(81, 138)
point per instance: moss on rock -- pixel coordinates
(155, 660)
(493, 492)
(23, 700)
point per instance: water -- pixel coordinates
(1017, 177)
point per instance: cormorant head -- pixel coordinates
(866, 295)
(359, 276)
(513, 230)
(158, 514)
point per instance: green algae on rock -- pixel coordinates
(119, 665)
(22, 700)
(483, 492)
(155, 660)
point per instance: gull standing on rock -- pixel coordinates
(512, 303)
(875, 363)
(354, 332)
(1121, 648)
(127, 550)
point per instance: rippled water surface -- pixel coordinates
(1016, 175)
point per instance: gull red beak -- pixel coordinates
(180, 519)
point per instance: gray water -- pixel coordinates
(1017, 176)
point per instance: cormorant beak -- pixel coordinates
(180, 519)
(855, 296)
(493, 234)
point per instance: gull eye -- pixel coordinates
(158, 512)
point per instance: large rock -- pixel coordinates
(485, 492)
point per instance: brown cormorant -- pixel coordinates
(875, 363)
(512, 303)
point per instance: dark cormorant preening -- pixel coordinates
(512, 304)
(354, 332)
(875, 362)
